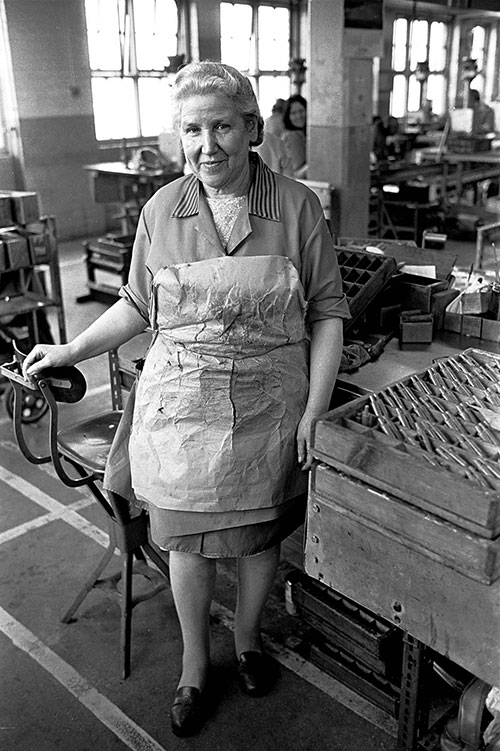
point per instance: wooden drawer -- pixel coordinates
(457, 616)
(472, 555)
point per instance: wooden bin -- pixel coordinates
(407, 472)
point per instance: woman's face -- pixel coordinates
(216, 139)
(297, 115)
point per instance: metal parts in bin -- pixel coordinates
(420, 460)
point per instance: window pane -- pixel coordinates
(436, 92)
(477, 48)
(413, 94)
(398, 96)
(114, 108)
(154, 104)
(155, 33)
(270, 89)
(478, 84)
(274, 39)
(236, 32)
(103, 30)
(437, 46)
(399, 32)
(418, 43)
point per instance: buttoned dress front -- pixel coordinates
(212, 444)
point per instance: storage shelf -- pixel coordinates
(20, 304)
(22, 291)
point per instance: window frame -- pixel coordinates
(408, 72)
(136, 74)
(489, 71)
(256, 74)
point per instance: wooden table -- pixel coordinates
(114, 182)
(437, 607)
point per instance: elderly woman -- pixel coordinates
(234, 271)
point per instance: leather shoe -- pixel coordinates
(257, 673)
(185, 712)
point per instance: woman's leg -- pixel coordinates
(192, 580)
(255, 580)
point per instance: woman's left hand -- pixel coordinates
(304, 440)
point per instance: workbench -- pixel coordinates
(115, 182)
(437, 607)
(382, 575)
(447, 178)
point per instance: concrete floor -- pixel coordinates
(61, 685)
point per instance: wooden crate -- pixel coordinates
(364, 274)
(473, 555)
(399, 462)
(453, 614)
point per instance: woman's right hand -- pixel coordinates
(44, 356)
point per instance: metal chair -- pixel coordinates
(85, 447)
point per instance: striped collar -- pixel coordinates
(263, 199)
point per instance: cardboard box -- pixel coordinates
(490, 330)
(452, 322)
(417, 291)
(6, 218)
(17, 254)
(472, 326)
(416, 332)
(38, 246)
(24, 206)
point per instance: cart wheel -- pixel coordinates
(34, 406)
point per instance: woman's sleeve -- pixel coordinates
(137, 289)
(320, 270)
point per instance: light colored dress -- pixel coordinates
(213, 441)
(295, 145)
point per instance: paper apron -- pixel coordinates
(223, 387)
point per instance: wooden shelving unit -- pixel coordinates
(30, 279)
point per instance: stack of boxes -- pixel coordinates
(22, 242)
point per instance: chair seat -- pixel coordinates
(88, 442)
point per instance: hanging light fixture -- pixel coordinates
(297, 70)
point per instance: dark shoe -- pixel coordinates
(185, 712)
(257, 673)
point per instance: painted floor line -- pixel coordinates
(52, 506)
(41, 521)
(101, 707)
(48, 468)
(308, 672)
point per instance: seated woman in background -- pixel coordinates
(294, 136)
(274, 153)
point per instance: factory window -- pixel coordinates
(419, 68)
(479, 57)
(255, 38)
(131, 45)
(477, 53)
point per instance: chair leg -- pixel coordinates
(139, 554)
(126, 611)
(157, 559)
(89, 584)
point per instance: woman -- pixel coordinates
(234, 270)
(294, 135)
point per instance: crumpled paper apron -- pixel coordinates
(223, 387)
